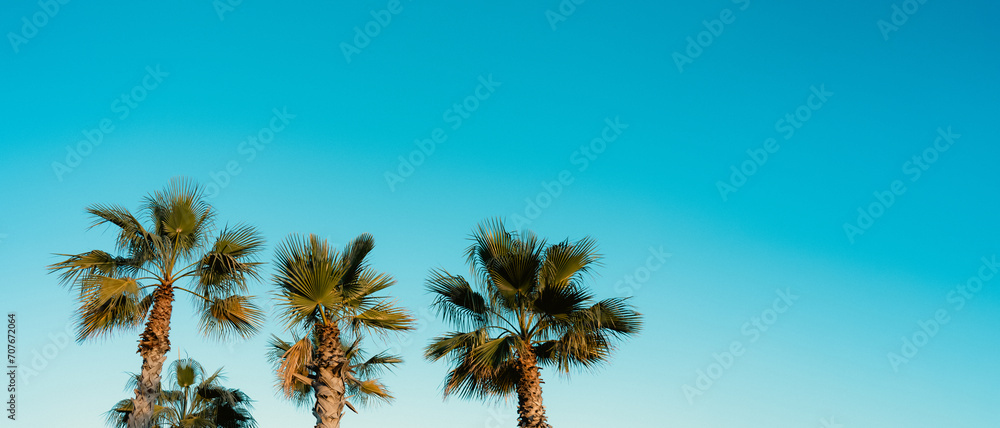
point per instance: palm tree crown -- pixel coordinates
(330, 296)
(114, 289)
(529, 308)
(194, 401)
(174, 246)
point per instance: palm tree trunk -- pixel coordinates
(328, 385)
(154, 344)
(531, 412)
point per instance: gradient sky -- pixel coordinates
(559, 81)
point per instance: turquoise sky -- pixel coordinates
(798, 183)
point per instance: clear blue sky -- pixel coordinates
(864, 99)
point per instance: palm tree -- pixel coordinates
(292, 362)
(195, 401)
(529, 309)
(172, 246)
(328, 295)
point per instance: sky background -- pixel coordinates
(561, 79)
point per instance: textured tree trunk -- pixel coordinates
(530, 411)
(153, 346)
(329, 383)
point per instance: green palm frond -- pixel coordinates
(491, 241)
(368, 393)
(455, 301)
(575, 350)
(354, 258)
(225, 269)
(380, 319)
(77, 267)
(494, 352)
(360, 377)
(568, 261)
(103, 288)
(233, 411)
(364, 367)
(614, 316)
(557, 304)
(180, 215)
(476, 382)
(233, 315)
(455, 344)
(307, 279)
(103, 313)
(133, 238)
(315, 281)
(186, 372)
(590, 335)
(117, 417)
(530, 299)
(509, 264)
(375, 365)
(359, 293)
(617, 315)
(193, 399)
